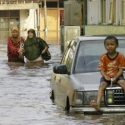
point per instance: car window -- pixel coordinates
(88, 55)
(68, 56)
(65, 55)
(63, 61)
(69, 59)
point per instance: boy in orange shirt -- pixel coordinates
(110, 66)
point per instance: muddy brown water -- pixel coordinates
(24, 96)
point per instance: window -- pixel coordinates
(14, 13)
(61, 5)
(4, 13)
(108, 11)
(68, 56)
(112, 12)
(69, 59)
(110, 15)
(63, 61)
(71, 55)
(103, 11)
(89, 53)
(50, 4)
(123, 11)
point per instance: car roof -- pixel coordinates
(99, 37)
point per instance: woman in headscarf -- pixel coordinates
(13, 46)
(34, 47)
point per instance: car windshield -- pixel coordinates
(88, 55)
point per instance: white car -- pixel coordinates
(75, 81)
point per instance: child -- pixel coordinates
(110, 66)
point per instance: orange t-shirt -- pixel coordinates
(111, 66)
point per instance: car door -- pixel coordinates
(63, 82)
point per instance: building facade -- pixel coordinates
(54, 19)
(106, 16)
(28, 14)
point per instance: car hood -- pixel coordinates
(87, 81)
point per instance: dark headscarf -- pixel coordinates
(31, 40)
(15, 39)
(32, 31)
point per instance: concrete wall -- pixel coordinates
(72, 13)
(97, 30)
(68, 33)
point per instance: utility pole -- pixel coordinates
(45, 21)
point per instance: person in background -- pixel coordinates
(34, 47)
(14, 46)
(111, 68)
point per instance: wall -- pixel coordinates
(90, 30)
(72, 13)
(105, 17)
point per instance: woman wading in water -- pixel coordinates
(32, 48)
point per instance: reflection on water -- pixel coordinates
(24, 96)
(115, 120)
(34, 65)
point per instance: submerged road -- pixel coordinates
(24, 96)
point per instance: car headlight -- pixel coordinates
(109, 97)
(78, 97)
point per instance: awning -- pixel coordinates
(19, 6)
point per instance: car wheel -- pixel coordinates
(52, 95)
(67, 108)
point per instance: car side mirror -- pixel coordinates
(60, 69)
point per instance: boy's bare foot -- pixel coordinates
(94, 105)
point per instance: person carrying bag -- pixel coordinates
(35, 48)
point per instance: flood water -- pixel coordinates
(24, 96)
